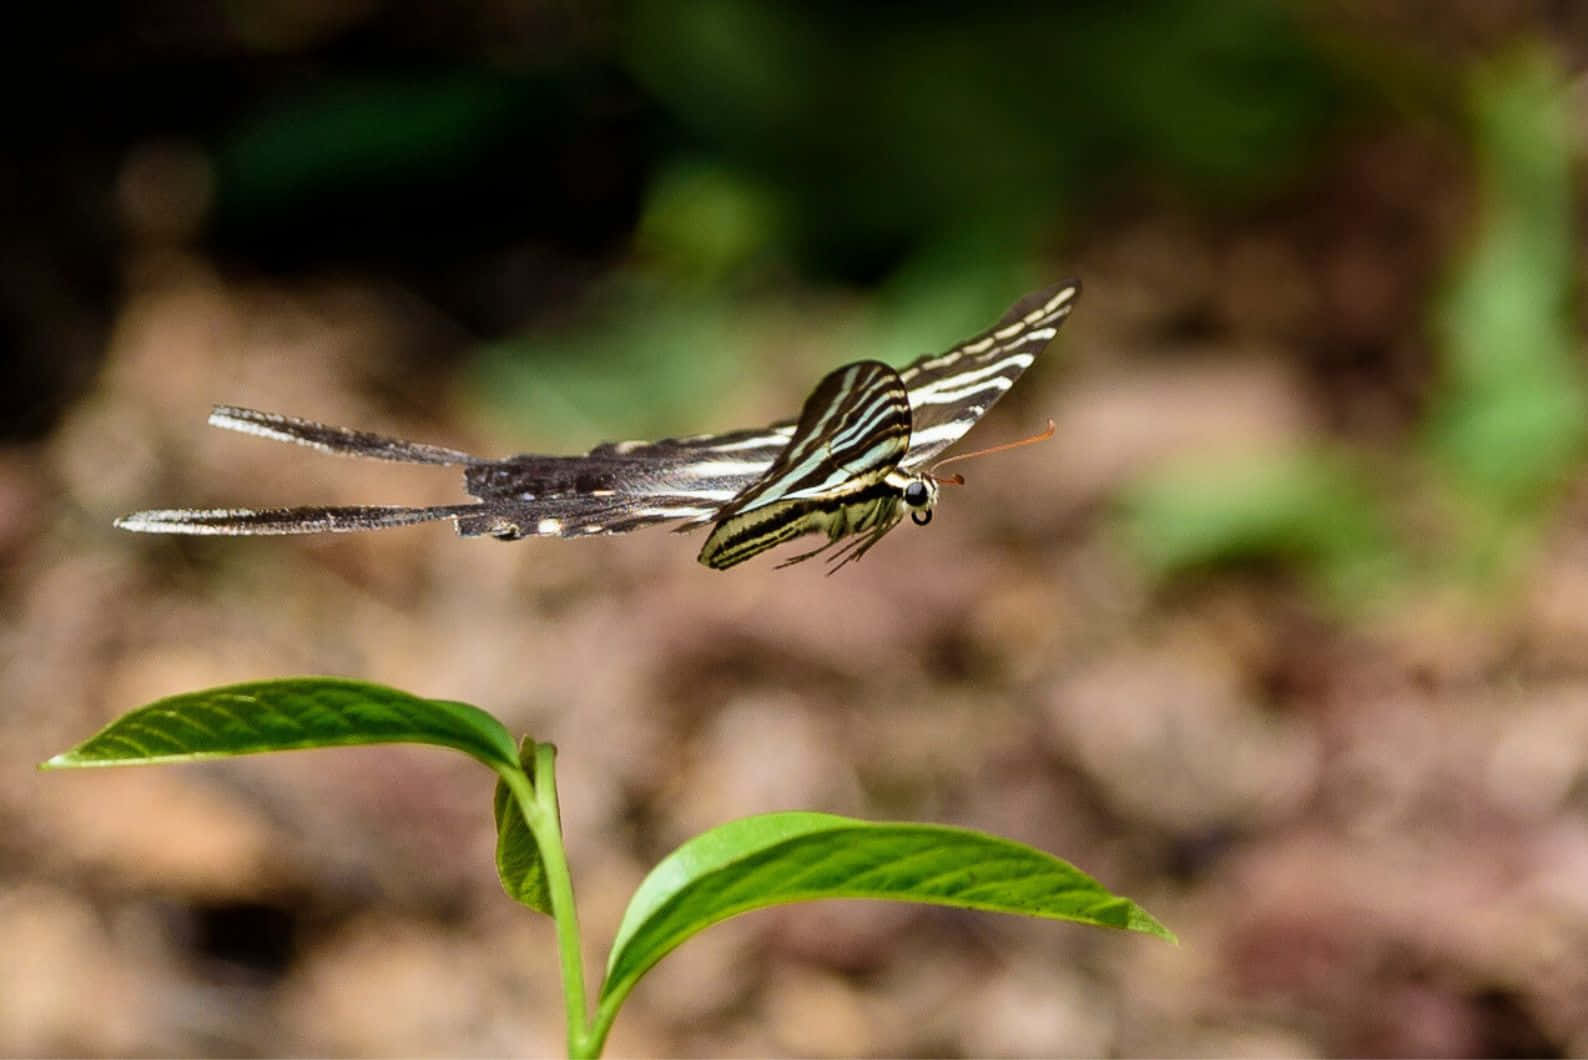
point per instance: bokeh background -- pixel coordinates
(1285, 635)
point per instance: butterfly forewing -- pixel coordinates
(856, 422)
(950, 391)
(853, 430)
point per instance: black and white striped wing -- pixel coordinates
(616, 487)
(619, 486)
(852, 432)
(855, 426)
(950, 391)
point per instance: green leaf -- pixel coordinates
(518, 862)
(289, 715)
(790, 857)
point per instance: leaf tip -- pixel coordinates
(1145, 923)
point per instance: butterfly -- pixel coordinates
(858, 458)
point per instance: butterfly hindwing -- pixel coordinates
(619, 486)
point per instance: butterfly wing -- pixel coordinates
(619, 486)
(854, 424)
(616, 487)
(853, 430)
(327, 439)
(950, 391)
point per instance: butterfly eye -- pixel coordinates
(921, 518)
(916, 494)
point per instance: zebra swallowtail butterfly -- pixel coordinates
(851, 465)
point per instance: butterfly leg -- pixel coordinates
(854, 549)
(803, 556)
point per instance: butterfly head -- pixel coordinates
(920, 497)
(918, 492)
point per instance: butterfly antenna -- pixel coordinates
(959, 480)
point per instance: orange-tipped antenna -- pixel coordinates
(959, 480)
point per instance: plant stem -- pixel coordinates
(539, 806)
(606, 1011)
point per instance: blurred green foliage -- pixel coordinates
(653, 362)
(932, 150)
(703, 223)
(1504, 430)
(1311, 511)
(884, 129)
(1507, 425)
(362, 132)
(429, 163)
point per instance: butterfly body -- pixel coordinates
(870, 508)
(851, 466)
